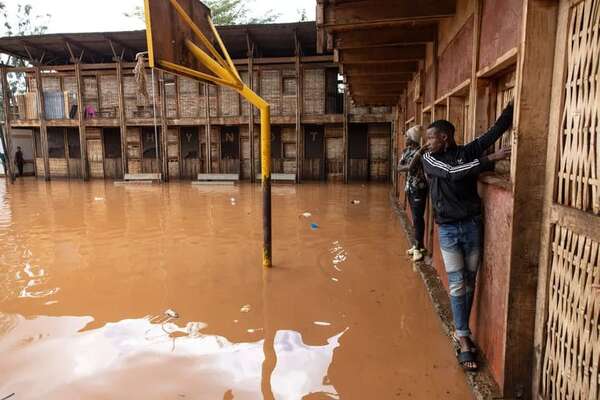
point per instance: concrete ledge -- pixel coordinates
(218, 177)
(482, 383)
(208, 183)
(142, 177)
(278, 177)
(133, 182)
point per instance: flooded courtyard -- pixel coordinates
(157, 292)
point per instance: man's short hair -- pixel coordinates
(443, 126)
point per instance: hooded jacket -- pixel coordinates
(452, 173)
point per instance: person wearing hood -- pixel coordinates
(416, 186)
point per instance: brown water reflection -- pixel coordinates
(88, 270)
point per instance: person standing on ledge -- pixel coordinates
(452, 172)
(19, 161)
(416, 187)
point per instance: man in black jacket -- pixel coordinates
(452, 172)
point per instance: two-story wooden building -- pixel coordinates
(88, 116)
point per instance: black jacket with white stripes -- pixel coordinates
(452, 173)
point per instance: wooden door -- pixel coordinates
(229, 162)
(111, 138)
(358, 152)
(94, 156)
(150, 146)
(314, 153)
(189, 147)
(334, 166)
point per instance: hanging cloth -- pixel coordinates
(140, 79)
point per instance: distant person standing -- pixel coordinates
(416, 187)
(19, 161)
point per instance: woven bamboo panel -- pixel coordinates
(109, 95)
(174, 169)
(173, 143)
(214, 106)
(505, 88)
(51, 83)
(95, 159)
(134, 166)
(133, 143)
(90, 92)
(572, 347)
(39, 166)
(70, 85)
(290, 88)
(579, 161)
(58, 167)
(229, 102)
(314, 91)
(270, 89)
(334, 130)
(191, 99)
(171, 95)
(288, 134)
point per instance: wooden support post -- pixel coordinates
(122, 116)
(207, 127)
(164, 137)
(532, 115)
(471, 131)
(251, 114)
(345, 136)
(299, 106)
(43, 128)
(6, 132)
(81, 120)
(554, 135)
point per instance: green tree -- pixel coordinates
(302, 16)
(225, 12)
(23, 22)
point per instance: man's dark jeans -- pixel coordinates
(418, 201)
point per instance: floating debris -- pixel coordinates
(321, 323)
(254, 330)
(171, 313)
(355, 202)
(306, 215)
(98, 198)
(246, 308)
(335, 279)
(314, 226)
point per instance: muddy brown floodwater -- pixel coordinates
(157, 292)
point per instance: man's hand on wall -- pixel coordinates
(501, 154)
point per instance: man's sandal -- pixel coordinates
(473, 348)
(465, 357)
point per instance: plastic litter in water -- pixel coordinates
(254, 330)
(171, 313)
(335, 279)
(321, 323)
(314, 226)
(98, 198)
(306, 214)
(246, 308)
(355, 202)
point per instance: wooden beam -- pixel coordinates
(122, 117)
(381, 13)
(383, 55)
(408, 67)
(299, 107)
(532, 114)
(369, 38)
(41, 50)
(81, 120)
(345, 137)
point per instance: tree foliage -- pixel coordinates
(225, 12)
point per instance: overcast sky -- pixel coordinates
(107, 15)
